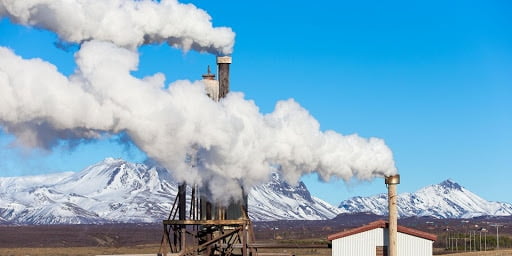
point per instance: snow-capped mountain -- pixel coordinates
(110, 191)
(118, 191)
(447, 199)
(280, 200)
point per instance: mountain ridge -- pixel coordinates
(448, 199)
(118, 191)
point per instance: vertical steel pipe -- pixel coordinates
(391, 182)
(223, 63)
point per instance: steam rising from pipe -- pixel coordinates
(126, 23)
(230, 142)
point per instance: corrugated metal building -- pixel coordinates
(372, 240)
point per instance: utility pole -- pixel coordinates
(474, 237)
(447, 239)
(497, 235)
(480, 243)
(474, 240)
(485, 239)
(470, 241)
(454, 243)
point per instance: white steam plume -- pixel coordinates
(233, 142)
(126, 23)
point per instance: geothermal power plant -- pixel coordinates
(206, 227)
(196, 225)
(200, 221)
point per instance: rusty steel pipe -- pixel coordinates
(223, 63)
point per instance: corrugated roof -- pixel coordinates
(383, 224)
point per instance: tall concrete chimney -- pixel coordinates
(391, 182)
(223, 66)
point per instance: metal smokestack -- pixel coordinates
(391, 182)
(223, 69)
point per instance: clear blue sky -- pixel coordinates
(433, 79)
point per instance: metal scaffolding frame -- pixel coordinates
(199, 234)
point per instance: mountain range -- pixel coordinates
(447, 199)
(114, 191)
(117, 191)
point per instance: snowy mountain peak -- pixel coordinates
(278, 199)
(450, 184)
(115, 190)
(277, 184)
(447, 199)
(112, 190)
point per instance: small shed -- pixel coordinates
(373, 239)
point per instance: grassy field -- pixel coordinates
(109, 239)
(79, 251)
(487, 253)
(143, 239)
(153, 249)
(149, 249)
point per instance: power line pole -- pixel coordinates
(454, 243)
(497, 235)
(474, 241)
(485, 240)
(470, 241)
(480, 244)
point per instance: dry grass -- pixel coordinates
(148, 249)
(79, 251)
(487, 253)
(153, 249)
(298, 251)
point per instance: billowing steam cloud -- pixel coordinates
(126, 23)
(230, 143)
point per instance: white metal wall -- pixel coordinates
(361, 244)
(365, 243)
(412, 245)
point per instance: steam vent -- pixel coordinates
(198, 226)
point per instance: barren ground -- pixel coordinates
(145, 238)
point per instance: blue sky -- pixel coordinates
(433, 79)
